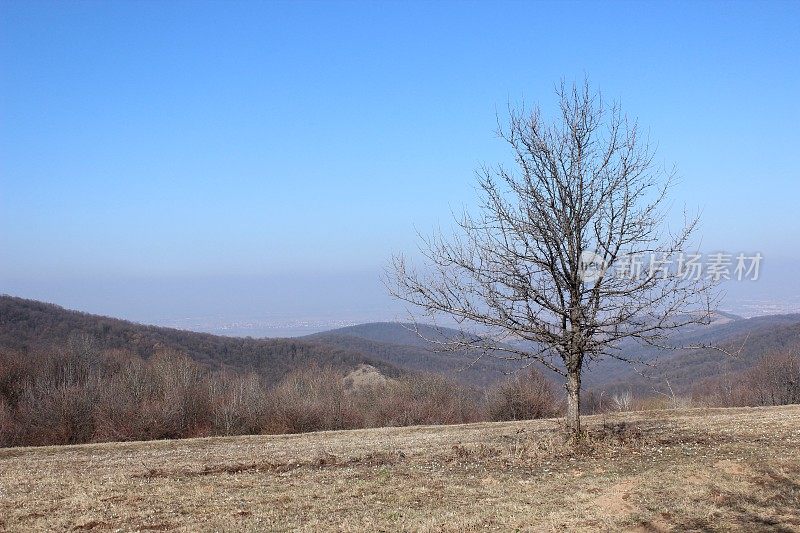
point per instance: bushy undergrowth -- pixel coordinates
(80, 394)
(775, 380)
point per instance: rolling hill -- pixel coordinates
(399, 345)
(752, 337)
(29, 326)
(392, 348)
(394, 333)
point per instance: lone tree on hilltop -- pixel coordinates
(550, 257)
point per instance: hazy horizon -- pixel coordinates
(283, 306)
(262, 161)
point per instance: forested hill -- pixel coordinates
(397, 333)
(749, 339)
(32, 327)
(414, 348)
(746, 342)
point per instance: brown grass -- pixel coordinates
(695, 470)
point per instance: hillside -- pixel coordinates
(692, 470)
(399, 345)
(750, 339)
(395, 333)
(392, 348)
(29, 326)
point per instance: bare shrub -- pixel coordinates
(423, 399)
(311, 399)
(775, 380)
(524, 397)
(622, 401)
(119, 411)
(241, 404)
(725, 390)
(14, 371)
(82, 357)
(58, 415)
(682, 402)
(179, 405)
(7, 424)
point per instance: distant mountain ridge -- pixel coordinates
(400, 333)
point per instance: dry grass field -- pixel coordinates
(693, 470)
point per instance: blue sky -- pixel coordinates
(152, 153)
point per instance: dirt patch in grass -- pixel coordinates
(326, 460)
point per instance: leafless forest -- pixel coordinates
(80, 393)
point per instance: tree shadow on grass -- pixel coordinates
(770, 501)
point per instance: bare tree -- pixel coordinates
(548, 260)
(623, 401)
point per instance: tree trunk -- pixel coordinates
(573, 421)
